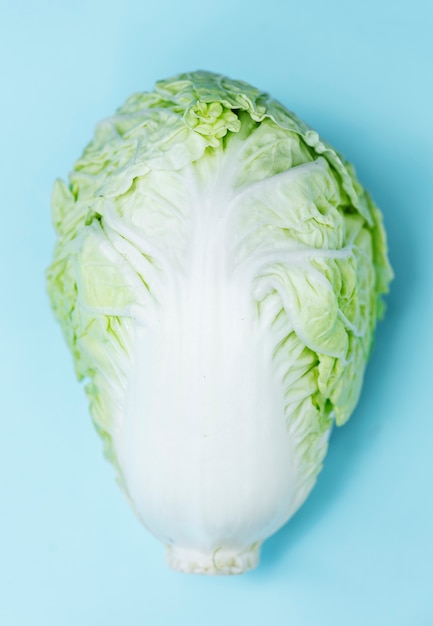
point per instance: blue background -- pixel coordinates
(360, 551)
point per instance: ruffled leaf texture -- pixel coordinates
(207, 188)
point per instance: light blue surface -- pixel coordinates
(360, 551)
